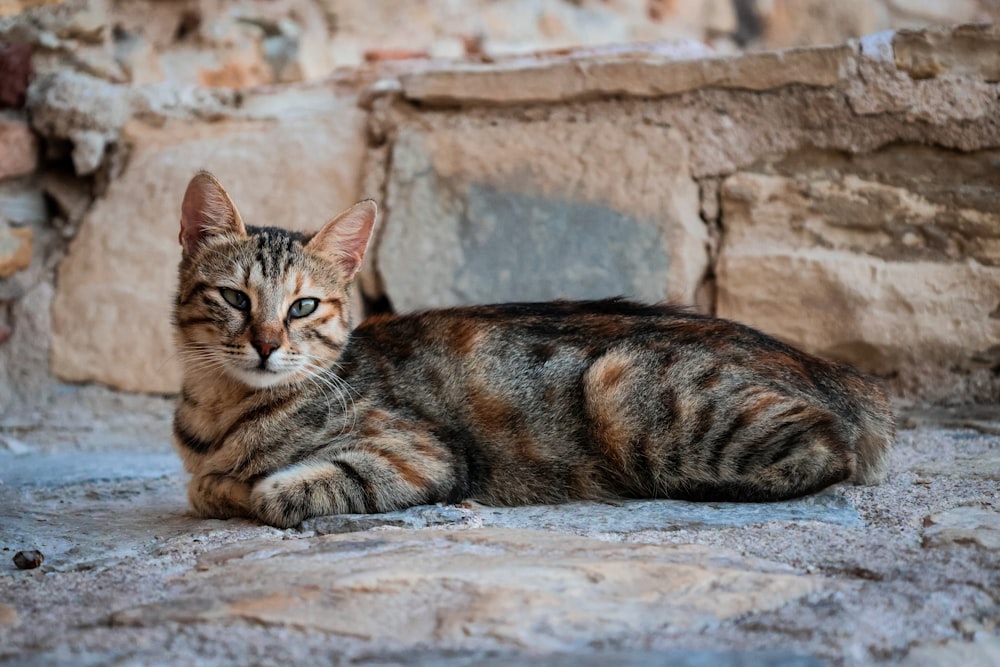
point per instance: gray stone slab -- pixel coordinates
(592, 518)
(636, 515)
(86, 510)
(65, 469)
(673, 658)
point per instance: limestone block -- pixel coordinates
(497, 587)
(15, 249)
(480, 211)
(977, 526)
(86, 110)
(15, 74)
(812, 22)
(895, 270)
(982, 651)
(18, 148)
(9, 616)
(970, 50)
(647, 71)
(112, 309)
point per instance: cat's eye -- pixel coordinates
(303, 307)
(235, 298)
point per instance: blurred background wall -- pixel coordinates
(842, 195)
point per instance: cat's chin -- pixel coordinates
(260, 378)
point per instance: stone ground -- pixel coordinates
(905, 573)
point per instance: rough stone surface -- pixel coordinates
(485, 213)
(842, 255)
(983, 651)
(116, 284)
(8, 616)
(18, 148)
(978, 526)
(24, 355)
(968, 50)
(15, 249)
(380, 583)
(653, 72)
(130, 577)
(15, 74)
(83, 109)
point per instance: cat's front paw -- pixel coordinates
(219, 497)
(279, 504)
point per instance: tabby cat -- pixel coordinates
(288, 412)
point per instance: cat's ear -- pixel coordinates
(207, 211)
(344, 239)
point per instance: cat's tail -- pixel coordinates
(878, 433)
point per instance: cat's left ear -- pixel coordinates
(344, 239)
(207, 210)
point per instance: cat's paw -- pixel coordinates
(279, 503)
(219, 497)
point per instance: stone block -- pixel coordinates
(895, 270)
(968, 50)
(15, 249)
(486, 211)
(115, 287)
(646, 71)
(497, 587)
(18, 148)
(975, 526)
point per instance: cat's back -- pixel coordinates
(613, 361)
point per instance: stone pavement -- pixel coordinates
(905, 573)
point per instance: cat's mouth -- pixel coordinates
(262, 375)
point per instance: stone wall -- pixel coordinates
(840, 197)
(242, 43)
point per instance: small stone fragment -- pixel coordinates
(28, 560)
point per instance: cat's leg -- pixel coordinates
(215, 496)
(391, 471)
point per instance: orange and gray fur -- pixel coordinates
(289, 412)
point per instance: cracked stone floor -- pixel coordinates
(904, 573)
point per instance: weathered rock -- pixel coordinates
(636, 515)
(84, 109)
(8, 616)
(15, 249)
(650, 71)
(15, 74)
(424, 516)
(22, 203)
(24, 356)
(970, 50)
(112, 309)
(93, 525)
(18, 148)
(588, 518)
(977, 526)
(983, 651)
(484, 212)
(982, 467)
(800, 22)
(472, 587)
(843, 258)
(72, 198)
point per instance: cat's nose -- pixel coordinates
(265, 347)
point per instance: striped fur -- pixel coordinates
(282, 418)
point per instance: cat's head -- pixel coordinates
(264, 306)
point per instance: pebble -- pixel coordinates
(28, 560)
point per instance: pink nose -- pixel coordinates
(266, 347)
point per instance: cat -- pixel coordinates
(288, 411)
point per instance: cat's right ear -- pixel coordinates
(207, 211)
